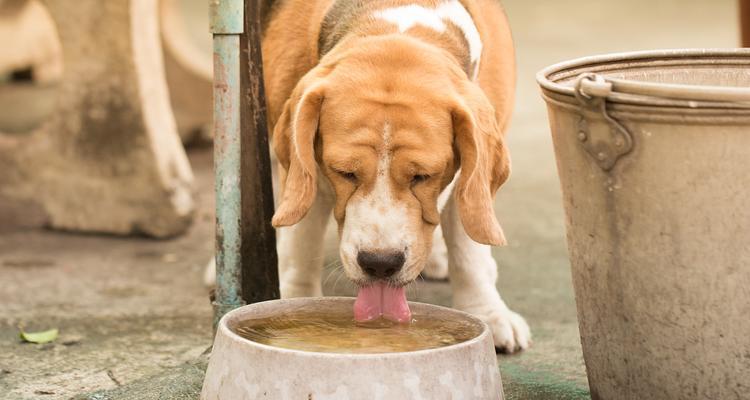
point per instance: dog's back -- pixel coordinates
(292, 44)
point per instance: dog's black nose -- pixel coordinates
(381, 264)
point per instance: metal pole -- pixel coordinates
(226, 26)
(246, 269)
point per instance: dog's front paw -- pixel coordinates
(510, 331)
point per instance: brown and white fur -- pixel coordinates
(391, 115)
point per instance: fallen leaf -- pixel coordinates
(40, 337)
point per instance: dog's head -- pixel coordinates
(389, 124)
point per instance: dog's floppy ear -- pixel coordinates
(293, 142)
(485, 164)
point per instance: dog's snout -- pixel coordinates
(381, 264)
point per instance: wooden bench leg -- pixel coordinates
(34, 42)
(109, 159)
(189, 74)
(745, 22)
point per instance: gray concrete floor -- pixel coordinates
(135, 320)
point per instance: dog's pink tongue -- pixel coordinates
(381, 300)
(395, 306)
(368, 305)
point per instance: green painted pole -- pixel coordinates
(246, 263)
(226, 26)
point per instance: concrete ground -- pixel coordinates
(135, 321)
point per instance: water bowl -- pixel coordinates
(311, 348)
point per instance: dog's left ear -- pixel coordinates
(293, 142)
(485, 164)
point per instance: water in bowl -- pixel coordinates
(335, 331)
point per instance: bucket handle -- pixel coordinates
(590, 84)
(605, 148)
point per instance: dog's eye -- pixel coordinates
(349, 176)
(416, 179)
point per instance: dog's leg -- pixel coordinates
(300, 250)
(209, 274)
(473, 273)
(437, 265)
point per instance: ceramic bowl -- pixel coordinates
(242, 369)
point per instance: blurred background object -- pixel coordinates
(189, 66)
(745, 22)
(95, 143)
(31, 65)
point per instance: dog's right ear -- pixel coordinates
(293, 142)
(485, 164)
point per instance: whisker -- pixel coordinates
(332, 270)
(415, 288)
(335, 284)
(334, 262)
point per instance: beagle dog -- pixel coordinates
(391, 115)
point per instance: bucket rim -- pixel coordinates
(683, 94)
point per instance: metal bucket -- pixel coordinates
(653, 153)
